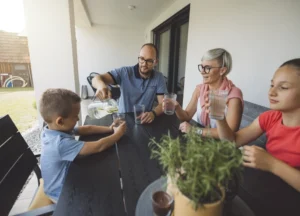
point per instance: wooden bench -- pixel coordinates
(250, 113)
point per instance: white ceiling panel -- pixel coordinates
(116, 12)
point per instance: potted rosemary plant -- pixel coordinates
(198, 170)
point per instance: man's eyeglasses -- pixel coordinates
(206, 68)
(148, 61)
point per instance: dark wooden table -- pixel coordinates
(92, 186)
(267, 194)
(138, 171)
(111, 182)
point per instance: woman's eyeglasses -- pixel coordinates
(205, 69)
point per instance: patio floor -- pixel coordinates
(24, 200)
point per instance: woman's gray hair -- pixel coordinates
(222, 55)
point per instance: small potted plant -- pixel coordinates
(198, 170)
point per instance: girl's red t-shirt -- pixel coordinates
(283, 142)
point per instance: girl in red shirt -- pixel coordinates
(281, 125)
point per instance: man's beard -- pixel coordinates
(145, 73)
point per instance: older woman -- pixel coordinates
(215, 66)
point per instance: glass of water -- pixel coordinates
(139, 110)
(118, 118)
(170, 100)
(217, 100)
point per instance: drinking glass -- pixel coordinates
(217, 100)
(118, 118)
(139, 110)
(162, 203)
(170, 100)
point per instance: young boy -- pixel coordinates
(60, 109)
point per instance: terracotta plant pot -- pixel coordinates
(184, 206)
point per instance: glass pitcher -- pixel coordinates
(98, 109)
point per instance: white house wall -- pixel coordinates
(52, 44)
(102, 48)
(260, 35)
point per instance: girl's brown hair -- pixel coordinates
(295, 63)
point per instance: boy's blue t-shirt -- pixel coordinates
(59, 149)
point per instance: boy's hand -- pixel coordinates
(121, 129)
(111, 127)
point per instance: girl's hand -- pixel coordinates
(185, 127)
(257, 157)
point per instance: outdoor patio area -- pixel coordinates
(205, 112)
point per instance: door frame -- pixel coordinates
(173, 24)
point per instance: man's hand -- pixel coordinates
(103, 93)
(121, 129)
(147, 117)
(257, 157)
(185, 127)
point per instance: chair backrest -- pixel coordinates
(16, 164)
(181, 82)
(115, 90)
(166, 80)
(90, 78)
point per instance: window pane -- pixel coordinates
(164, 50)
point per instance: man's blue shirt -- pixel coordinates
(137, 90)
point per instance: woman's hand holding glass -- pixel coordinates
(166, 102)
(185, 127)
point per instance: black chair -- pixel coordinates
(115, 90)
(16, 164)
(181, 83)
(166, 80)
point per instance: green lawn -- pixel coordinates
(19, 104)
(7, 90)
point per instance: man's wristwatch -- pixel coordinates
(154, 113)
(199, 131)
